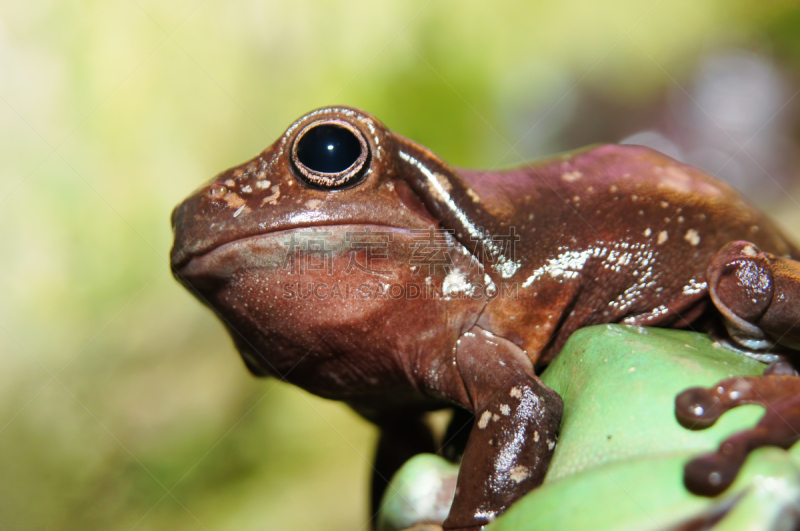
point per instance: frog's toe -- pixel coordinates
(697, 409)
(712, 473)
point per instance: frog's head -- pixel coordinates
(296, 251)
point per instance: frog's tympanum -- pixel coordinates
(360, 266)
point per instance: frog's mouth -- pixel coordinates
(273, 250)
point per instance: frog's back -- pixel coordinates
(606, 234)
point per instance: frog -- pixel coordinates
(360, 266)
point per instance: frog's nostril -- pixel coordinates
(329, 154)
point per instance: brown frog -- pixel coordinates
(360, 266)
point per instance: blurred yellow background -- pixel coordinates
(123, 403)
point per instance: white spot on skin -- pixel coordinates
(272, 199)
(647, 232)
(312, 204)
(472, 195)
(519, 474)
(692, 236)
(495, 417)
(505, 410)
(664, 204)
(455, 282)
(234, 201)
(506, 268)
(694, 287)
(263, 185)
(551, 445)
(490, 287)
(515, 392)
(246, 189)
(613, 188)
(238, 211)
(567, 265)
(230, 183)
(484, 420)
(571, 176)
(535, 436)
(749, 250)
(662, 237)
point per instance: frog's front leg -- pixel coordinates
(514, 433)
(758, 295)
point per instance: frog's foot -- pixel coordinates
(699, 408)
(757, 294)
(514, 435)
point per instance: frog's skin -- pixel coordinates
(607, 234)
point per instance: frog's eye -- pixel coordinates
(330, 154)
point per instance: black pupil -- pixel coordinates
(328, 148)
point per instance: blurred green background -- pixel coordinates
(123, 403)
